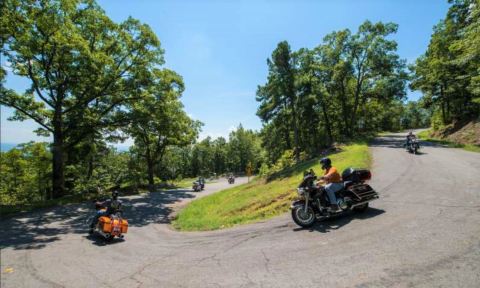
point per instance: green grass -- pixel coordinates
(260, 199)
(426, 136)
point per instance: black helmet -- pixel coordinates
(325, 162)
(114, 194)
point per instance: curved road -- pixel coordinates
(423, 232)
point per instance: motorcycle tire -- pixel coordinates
(361, 208)
(301, 218)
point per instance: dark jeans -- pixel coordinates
(97, 216)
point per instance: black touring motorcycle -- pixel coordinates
(313, 202)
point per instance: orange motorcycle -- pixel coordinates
(111, 226)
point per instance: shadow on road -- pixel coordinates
(99, 241)
(338, 222)
(398, 141)
(37, 229)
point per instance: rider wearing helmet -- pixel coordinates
(333, 180)
(112, 206)
(410, 136)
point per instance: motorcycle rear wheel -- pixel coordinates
(361, 208)
(301, 218)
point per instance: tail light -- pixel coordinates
(366, 175)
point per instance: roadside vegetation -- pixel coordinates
(427, 136)
(94, 82)
(264, 197)
(448, 77)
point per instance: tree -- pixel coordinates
(25, 173)
(83, 69)
(244, 146)
(339, 90)
(157, 120)
(448, 73)
(278, 96)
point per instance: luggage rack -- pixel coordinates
(363, 192)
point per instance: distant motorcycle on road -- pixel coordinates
(313, 203)
(231, 179)
(413, 146)
(197, 187)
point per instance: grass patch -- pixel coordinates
(259, 199)
(426, 136)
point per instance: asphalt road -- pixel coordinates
(423, 232)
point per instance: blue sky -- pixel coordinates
(220, 47)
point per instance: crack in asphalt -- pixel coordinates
(34, 272)
(250, 282)
(211, 257)
(241, 242)
(266, 262)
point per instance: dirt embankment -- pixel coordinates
(461, 133)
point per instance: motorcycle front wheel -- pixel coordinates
(302, 218)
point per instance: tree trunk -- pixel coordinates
(328, 127)
(442, 102)
(343, 101)
(355, 105)
(296, 149)
(58, 157)
(151, 179)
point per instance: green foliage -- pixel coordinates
(219, 156)
(287, 160)
(414, 116)
(343, 88)
(25, 173)
(448, 72)
(83, 69)
(157, 120)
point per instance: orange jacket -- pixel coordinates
(332, 176)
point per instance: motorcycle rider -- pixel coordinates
(113, 205)
(333, 181)
(201, 181)
(410, 137)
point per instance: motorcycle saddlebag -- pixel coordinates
(105, 224)
(124, 226)
(356, 175)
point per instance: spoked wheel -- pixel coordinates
(302, 218)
